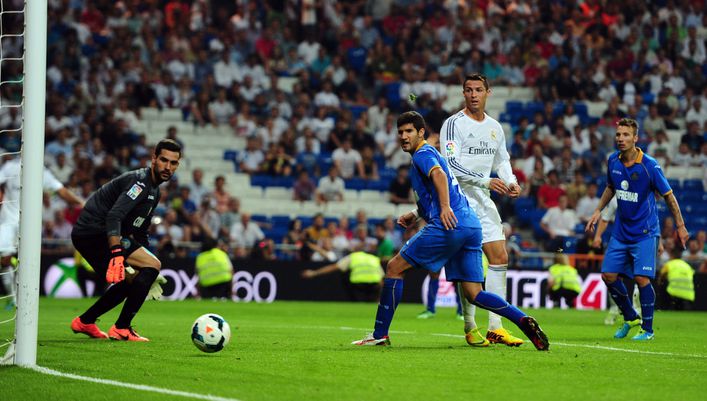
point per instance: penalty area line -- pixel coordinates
(131, 386)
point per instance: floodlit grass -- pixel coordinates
(300, 351)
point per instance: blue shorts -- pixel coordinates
(636, 259)
(458, 250)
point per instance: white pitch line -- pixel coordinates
(635, 351)
(140, 387)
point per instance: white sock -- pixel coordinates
(496, 283)
(468, 309)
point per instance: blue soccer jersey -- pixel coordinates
(634, 185)
(425, 159)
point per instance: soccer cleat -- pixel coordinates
(643, 336)
(475, 339)
(622, 332)
(125, 334)
(502, 336)
(426, 315)
(370, 340)
(532, 330)
(89, 329)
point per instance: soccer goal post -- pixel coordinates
(30, 244)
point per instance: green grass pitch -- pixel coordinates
(300, 351)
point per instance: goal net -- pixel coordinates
(23, 29)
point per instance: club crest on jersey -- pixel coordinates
(634, 175)
(449, 148)
(493, 134)
(134, 191)
(624, 185)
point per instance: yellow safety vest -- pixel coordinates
(680, 279)
(365, 268)
(213, 267)
(565, 276)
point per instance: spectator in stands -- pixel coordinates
(549, 193)
(538, 154)
(61, 168)
(661, 148)
(378, 116)
(385, 248)
(220, 196)
(400, 189)
(229, 217)
(244, 235)
(587, 203)
(594, 158)
(331, 187)
(252, 157)
(563, 282)
(206, 221)
(576, 189)
(559, 222)
(277, 163)
(323, 250)
(653, 123)
(316, 231)
(694, 254)
(684, 156)
(200, 109)
(303, 188)
(370, 165)
(693, 138)
(221, 110)
(361, 241)
(348, 160)
(341, 235)
(697, 113)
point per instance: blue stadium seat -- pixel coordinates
(581, 109)
(674, 184)
(514, 106)
(230, 155)
(260, 218)
(280, 220)
(392, 93)
(356, 183)
(378, 185)
(570, 245)
(260, 180)
(306, 220)
(388, 173)
(356, 111)
(523, 207)
(692, 185)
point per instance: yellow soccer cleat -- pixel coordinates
(502, 336)
(475, 339)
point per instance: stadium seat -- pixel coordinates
(692, 185)
(368, 195)
(356, 183)
(378, 185)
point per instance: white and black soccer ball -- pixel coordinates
(210, 333)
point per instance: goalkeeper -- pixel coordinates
(112, 234)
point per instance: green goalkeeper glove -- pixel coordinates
(156, 289)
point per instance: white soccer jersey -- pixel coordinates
(10, 177)
(473, 149)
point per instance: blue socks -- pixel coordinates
(390, 297)
(499, 306)
(432, 289)
(619, 294)
(647, 296)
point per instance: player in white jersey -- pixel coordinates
(474, 145)
(10, 214)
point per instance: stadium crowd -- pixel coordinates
(355, 64)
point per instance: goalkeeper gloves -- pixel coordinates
(156, 288)
(116, 267)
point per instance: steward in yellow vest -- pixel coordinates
(681, 286)
(365, 274)
(215, 271)
(563, 281)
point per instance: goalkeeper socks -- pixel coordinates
(468, 309)
(496, 283)
(137, 293)
(647, 295)
(432, 289)
(112, 298)
(458, 297)
(619, 294)
(493, 302)
(390, 297)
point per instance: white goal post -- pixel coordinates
(35, 69)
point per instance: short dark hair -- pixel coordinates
(412, 117)
(629, 122)
(477, 77)
(168, 144)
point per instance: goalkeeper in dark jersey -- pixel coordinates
(112, 235)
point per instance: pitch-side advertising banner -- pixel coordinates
(528, 289)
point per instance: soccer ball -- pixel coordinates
(210, 333)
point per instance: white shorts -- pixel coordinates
(8, 239)
(491, 225)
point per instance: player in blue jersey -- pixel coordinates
(451, 238)
(633, 177)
